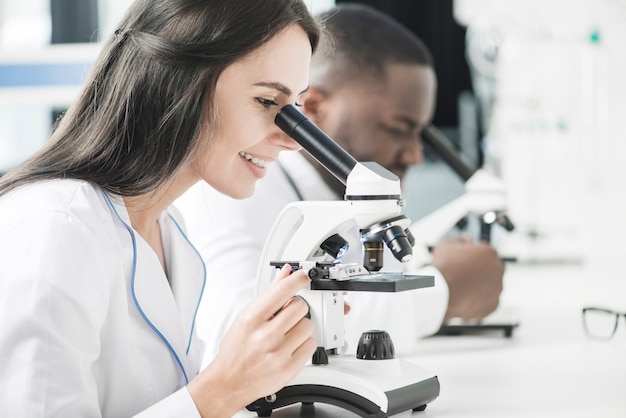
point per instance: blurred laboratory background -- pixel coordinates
(530, 91)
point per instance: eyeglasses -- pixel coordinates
(600, 323)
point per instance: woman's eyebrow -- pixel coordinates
(278, 86)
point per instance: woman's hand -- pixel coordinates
(267, 345)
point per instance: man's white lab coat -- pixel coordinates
(230, 235)
(90, 325)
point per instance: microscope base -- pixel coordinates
(369, 388)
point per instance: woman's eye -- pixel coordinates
(266, 103)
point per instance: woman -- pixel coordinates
(98, 284)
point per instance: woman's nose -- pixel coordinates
(285, 141)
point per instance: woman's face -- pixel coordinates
(248, 94)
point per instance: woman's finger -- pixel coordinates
(280, 291)
(297, 335)
(290, 314)
(284, 272)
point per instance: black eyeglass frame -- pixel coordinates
(604, 310)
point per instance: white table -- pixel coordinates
(549, 368)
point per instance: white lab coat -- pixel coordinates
(90, 325)
(230, 235)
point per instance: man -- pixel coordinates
(372, 90)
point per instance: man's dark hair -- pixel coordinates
(363, 41)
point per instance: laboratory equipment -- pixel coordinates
(552, 127)
(485, 197)
(308, 235)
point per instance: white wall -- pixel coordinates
(555, 135)
(25, 114)
(24, 23)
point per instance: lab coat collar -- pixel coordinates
(163, 305)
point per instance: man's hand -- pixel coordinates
(474, 274)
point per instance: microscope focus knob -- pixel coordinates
(375, 345)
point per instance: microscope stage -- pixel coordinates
(376, 282)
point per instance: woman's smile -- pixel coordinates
(256, 165)
(254, 160)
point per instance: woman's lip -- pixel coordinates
(256, 159)
(258, 171)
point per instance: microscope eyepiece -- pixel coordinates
(434, 138)
(323, 148)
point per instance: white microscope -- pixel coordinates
(485, 196)
(374, 383)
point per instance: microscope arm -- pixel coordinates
(298, 232)
(484, 194)
(296, 236)
(432, 227)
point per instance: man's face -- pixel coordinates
(382, 122)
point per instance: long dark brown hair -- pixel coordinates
(138, 117)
